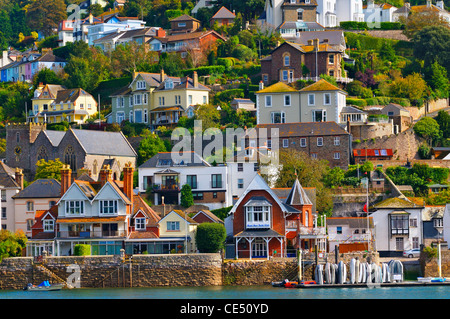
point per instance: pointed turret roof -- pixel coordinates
(297, 195)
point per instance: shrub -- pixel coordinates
(210, 237)
(82, 250)
(353, 25)
(356, 102)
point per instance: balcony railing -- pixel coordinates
(312, 231)
(291, 224)
(317, 78)
(166, 187)
(91, 234)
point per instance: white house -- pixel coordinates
(375, 13)
(349, 10)
(110, 25)
(326, 13)
(165, 173)
(398, 226)
(348, 230)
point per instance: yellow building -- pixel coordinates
(179, 227)
(56, 104)
(44, 95)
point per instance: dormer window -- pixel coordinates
(168, 85)
(49, 225)
(108, 207)
(140, 85)
(140, 223)
(257, 217)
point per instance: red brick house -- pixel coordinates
(291, 61)
(223, 17)
(263, 225)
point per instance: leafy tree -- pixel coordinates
(46, 76)
(429, 129)
(419, 21)
(49, 169)
(334, 177)
(150, 145)
(412, 87)
(45, 15)
(12, 244)
(210, 237)
(433, 44)
(439, 81)
(187, 199)
(96, 9)
(208, 114)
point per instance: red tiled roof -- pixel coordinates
(373, 152)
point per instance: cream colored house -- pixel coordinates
(56, 104)
(157, 99)
(39, 195)
(11, 182)
(278, 103)
(281, 103)
(178, 226)
(44, 95)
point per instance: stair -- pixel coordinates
(52, 275)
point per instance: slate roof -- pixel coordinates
(41, 188)
(297, 195)
(104, 143)
(164, 159)
(54, 137)
(301, 129)
(351, 109)
(69, 95)
(224, 13)
(210, 215)
(351, 222)
(184, 17)
(49, 57)
(6, 180)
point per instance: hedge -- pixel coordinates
(82, 250)
(205, 70)
(228, 95)
(210, 237)
(353, 25)
(356, 102)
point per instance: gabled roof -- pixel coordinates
(278, 87)
(139, 205)
(69, 95)
(184, 17)
(54, 137)
(41, 188)
(182, 214)
(258, 183)
(302, 129)
(49, 57)
(224, 13)
(210, 215)
(6, 180)
(297, 195)
(166, 159)
(103, 143)
(152, 79)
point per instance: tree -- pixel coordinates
(150, 145)
(210, 237)
(187, 199)
(334, 177)
(49, 169)
(433, 44)
(208, 114)
(45, 15)
(412, 87)
(439, 80)
(12, 244)
(443, 119)
(428, 128)
(418, 21)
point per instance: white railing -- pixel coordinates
(312, 230)
(317, 78)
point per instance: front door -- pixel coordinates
(259, 248)
(399, 243)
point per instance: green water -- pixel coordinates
(236, 292)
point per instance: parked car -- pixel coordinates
(412, 253)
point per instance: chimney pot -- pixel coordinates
(195, 79)
(128, 180)
(19, 177)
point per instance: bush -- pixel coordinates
(356, 102)
(82, 250)
(353, 25)
(210, 237)
(205, 70)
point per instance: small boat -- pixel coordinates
(437, 279)
(291, 284)
(44, 286)
(277, 283)
(308, 282)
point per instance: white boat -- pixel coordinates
(44, 286)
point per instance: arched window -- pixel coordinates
(70, 158)
(287, 60)
(42, 154)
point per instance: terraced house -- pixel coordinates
(157, 99)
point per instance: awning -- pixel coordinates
(91, 219)
(259, 233)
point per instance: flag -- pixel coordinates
(365, 207)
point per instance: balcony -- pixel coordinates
(175, 187)
(291, 225)
(312, 232)
(91, 234)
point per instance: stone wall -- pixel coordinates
(111, 271)
(429, 266)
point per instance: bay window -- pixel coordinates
(257, 217)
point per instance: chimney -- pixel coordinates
(105, 175)
(134, 74)
(195, 79)
(128, 180)
(428, 3)
(163, 75)
(160, 33)
(261, 85)
(91, 18)
(310, 42)
(316, 44)
(19, 177)
(66, 178)
(163, 206)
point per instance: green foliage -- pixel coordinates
(50, 169)
(433, 44)
(334, 177)
(356, 102)
(210, 237)
(149, 146)
(187, 199)
(12, 244)
(222, 213)
(424, 151)
(353, 25)
(429, 129)
(205, 70)
(82, 250)
(431, 252)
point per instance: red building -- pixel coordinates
(264, 225)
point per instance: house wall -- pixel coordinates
(21, 213)
(292, 112)
(184, 230)
(333, 109)
(290, 13)
(273, 67)
(8, 205)
(247, 174)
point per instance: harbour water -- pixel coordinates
(237, 292)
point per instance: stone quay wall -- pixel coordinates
(430, 266)
(112, 271)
